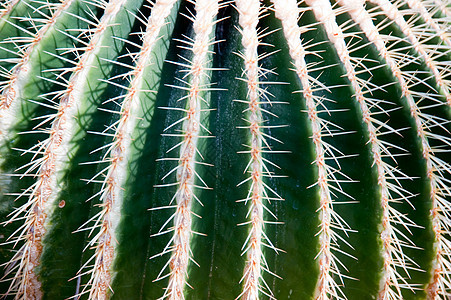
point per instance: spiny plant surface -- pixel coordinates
(212, 149)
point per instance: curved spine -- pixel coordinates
(44, 190)
(111, 196)
(288, 13)
(392, 12)
(428, 136)
(434, 166)
(443, 7)
(391, 244)
(428, 18)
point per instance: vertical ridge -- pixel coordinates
(417, 5)
(259, 192)
(10, 93)
(7, 7)
(196, 73)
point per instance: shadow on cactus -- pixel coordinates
(213, 149)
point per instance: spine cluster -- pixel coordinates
(435, 167)
(438, 70)
(7, 7)
(249, 11)
(428, 17)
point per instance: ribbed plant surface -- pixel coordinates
(212, 149)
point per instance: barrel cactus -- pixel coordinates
(210, 149)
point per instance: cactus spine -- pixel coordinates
(211, 169)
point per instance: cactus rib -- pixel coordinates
(259, 191)
(438, 71)
(7, 7)
(11, 89)
(430, 21)
(128, 128)
(179, 245)
(443, 6)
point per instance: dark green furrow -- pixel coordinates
(134, 231)
(219, 253)
(295, 264)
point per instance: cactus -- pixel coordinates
(210, 149)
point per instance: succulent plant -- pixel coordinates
(213, 149)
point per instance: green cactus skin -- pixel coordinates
(208, 149)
